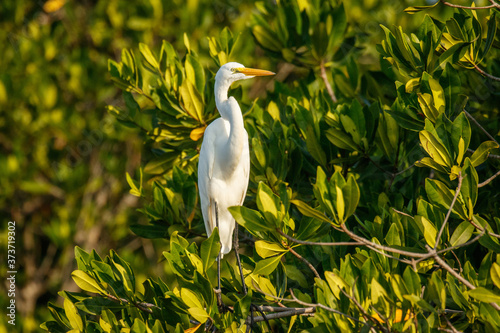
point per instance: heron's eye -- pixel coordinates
(233, 70)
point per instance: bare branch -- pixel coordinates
(483, 229)
(489, 155)
(378, 246)
(304, 260)
(143, 306)
(460, 278)
(482, 72)
(282, 314)
(290, 238)
(479, 125)
(487, 181)
(457, 191)
(467, 7)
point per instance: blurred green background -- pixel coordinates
(63, 158)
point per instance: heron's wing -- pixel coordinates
(245, 157)
(205, 172)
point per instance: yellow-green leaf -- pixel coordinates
(191, 100)
(72, 313)
(86, 282)
(267, 249)
(190, 298)
(307, 210)
(495, 274)
(199, 314)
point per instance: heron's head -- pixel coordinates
(233, 71)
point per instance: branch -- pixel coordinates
(282, 314)
(304, 260)
(378, 246)
(327, 84)
(493, 5)
(460, 278)
(296, 300)
(487, 181)
(489, 155)
(479, 125)
(457, 191)
(290, 238)
(483, 229)
(143, 306)
(482, 72)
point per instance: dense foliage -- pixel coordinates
(372, 203)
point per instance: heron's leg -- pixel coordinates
(218, 291)
(237, 252)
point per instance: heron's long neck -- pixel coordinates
(230, 111)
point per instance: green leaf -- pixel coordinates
(249, 219)
(462, 233)
(267, 249)
(435, 149)
(267, 266)
(428, 229)
(416, 9)
(210, 250)
(341, 139)
(495, 274)
(442, 196)
(148, 56)
(484, 295)
(195, 72)
(307, 210)
(199, 314)
(190, 298)
(351, 194)
(482, 152)
(72, 314)
(294, 273)
(266, 202)
(86, 282)
(191, 100)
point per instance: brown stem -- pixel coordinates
(466, 282)
(467, 7)
(487, 181)
(304, 260)
(479, 125)
(327, 84)
(457, 191)
(290, 238)
(482, 72)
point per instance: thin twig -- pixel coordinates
(282, 314)
(402, 213)
(466, 282)
(304, 260)
(146, 307)
(327, 84)
(487, 181)
(483, 229)
(479, 125)
(457, 191)
(327, 308)
(482, 72)
(489, 155)
(360, 308)
(467, 7)
(290, 238)
(378, 246)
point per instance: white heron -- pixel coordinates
(224, 164)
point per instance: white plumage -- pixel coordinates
(224, 164)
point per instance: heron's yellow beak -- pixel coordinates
(253, 71)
